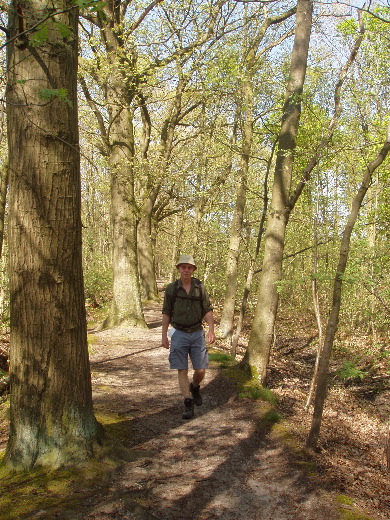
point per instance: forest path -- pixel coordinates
(225, 463)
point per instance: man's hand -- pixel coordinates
(210, 322)
(165, 324)
(211, 336)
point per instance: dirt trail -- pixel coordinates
(225, 463)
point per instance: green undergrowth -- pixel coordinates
(65, 490)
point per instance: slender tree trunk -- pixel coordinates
(245, 110)
(332, 125)
(147, 268)
(317, 311)
(52, 420)
(251, 271)
(372, 238)
(332, 324)
(178, 230)
(262, 332)
(145, 231)
(227, 317)
(3, 198)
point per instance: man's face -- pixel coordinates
(186, 271)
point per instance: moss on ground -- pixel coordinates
(25, 494)
(247, 381)
(349, 510)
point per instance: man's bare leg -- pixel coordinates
(184, 383)
(198, 376)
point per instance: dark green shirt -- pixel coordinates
(187, 312)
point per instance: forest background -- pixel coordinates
(180, 108)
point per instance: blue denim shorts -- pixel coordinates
(188, 344)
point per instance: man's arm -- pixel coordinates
(209, 318)
(166, 315)
(165, 324)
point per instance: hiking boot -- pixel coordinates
(188, 408)
(195, 391)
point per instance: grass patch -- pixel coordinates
(272, 416)
(348, 510)
(255, 390)
(222, 359)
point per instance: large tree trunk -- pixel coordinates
(52, 420)
(333, 320)
(261, 337)
(126, 306)
(3, 199)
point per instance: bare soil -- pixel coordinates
(228, 462)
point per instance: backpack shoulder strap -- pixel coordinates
(174, 295)
(198, 284)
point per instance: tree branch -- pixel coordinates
(151, 6)
(95, 110)
(33, 27)
(331, 127)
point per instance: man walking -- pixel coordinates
(186, 305)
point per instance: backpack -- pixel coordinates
(199, 298)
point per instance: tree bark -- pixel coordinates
(3, 198)
(251, 271)
(120, 89)
(227, 318)
(316, 306)
(126, 306)
(250, 64)
(52, 420)
(261, 337)
(332, 324)
(147, 269)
